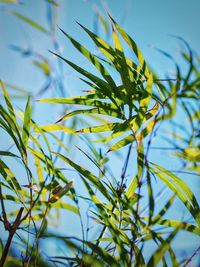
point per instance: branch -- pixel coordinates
(10, 228)
(193, 255)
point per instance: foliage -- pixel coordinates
(132, 113)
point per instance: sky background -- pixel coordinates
(151, 24)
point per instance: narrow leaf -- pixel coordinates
(26, 124)
(30, 22)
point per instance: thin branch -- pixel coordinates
(193, 255)
(12, 229)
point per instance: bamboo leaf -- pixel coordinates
(103, 86)
(9, 176)
(54, 128)
(11, 127)
(164, 209)
(98, 111)
(102, 253)
(30, 22)
(8, 154)
(132, 187)
(9, 1)
(62, 205)
(96, 129)
(26, 124)
(133, 46)
(181, 225)
(151, 199)
(59, 191)
(181, 189)
(8, 102)
(92, 59)
(103, 46)
(87, 174)
(88, 100)
(162, 249)
(131, 138)
(44, 66)
(124, 142)
(123, 68)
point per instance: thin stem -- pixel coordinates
(193, 255)
(124, 169)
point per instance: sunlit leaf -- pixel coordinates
(131, 138)
(181, 189)
(54, 128)
(133, 46)
(9, 176)
(92, 178)
(8, 102)
(27, 123)
(162, 249)
(9, 1)
(92, 59)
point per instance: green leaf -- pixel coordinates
(87, 100)
(103, 46)
(103, 86)
(103, 21)
(124, 142)
(181, 225)
(133, 46)
(8, 102)
(151, 198)
(111, 54)
(59, 191)
(54, 128)
(132, 187)
(103, 254)
(8, 154)
(30, 22)
(181, 189)
(164, 209)
(99, 111)
(191, 154)
(101, 107)
(92, 59)
(96, 129)
(9, 1)
(9, 176)
(26, 124)
(157, 237)
(87, 174)
(123, 67)
(139, 258)
(66, 206)
(10, 198)
(162, 249)
(131, 138)
(44, 66)
(9, 124)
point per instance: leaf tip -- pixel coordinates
(58, 121)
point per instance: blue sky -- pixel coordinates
(151, 23)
